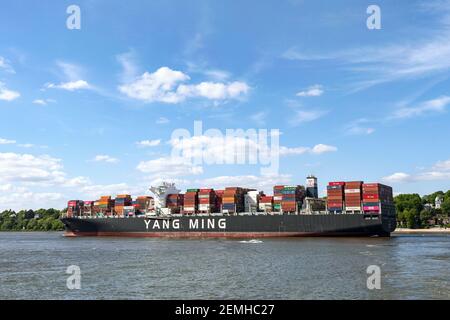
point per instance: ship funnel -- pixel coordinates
(311, 187)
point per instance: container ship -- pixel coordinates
(350, 208)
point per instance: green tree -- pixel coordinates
(431, 197)
(408, 201)
(447, 195)
(445, 207)
(8, 224)
(412, 218)
(425, 216)
(401, 218)
(57, 225)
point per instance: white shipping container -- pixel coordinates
(353, 208)
(189, 208)
(265, 207)
(352, 190)
(277, 198)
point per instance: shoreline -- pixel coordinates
(421, 231)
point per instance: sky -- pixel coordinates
(96, 110)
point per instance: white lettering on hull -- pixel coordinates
(193, 224)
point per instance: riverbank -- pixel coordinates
(421, 231)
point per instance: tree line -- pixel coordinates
(414, 211)
(31, 220)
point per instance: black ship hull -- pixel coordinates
(239, 226)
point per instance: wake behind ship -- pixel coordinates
(351, 209)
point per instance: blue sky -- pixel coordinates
(92, 111)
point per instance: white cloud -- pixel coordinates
(148, 143)
(169, 167)
(359, 127)
(284, 151)
(43, 102)
(71, 85)
(77, 182)
(442, 165)
(301, 116)
(71, 71)
(437, 105)
(398, 177)
(20, 198)
(440, 171)
(317, 149)
(26, 145)
(313, 91)
(162, 120)
(40, 101)
(164, 85)
(406, 58)
(217, 74)
(30, 169)
(323, 148)
(226, 149)
(155, 87)
(6, 94)
(129, 67)
(73, 75)
(6, 66)
(214, 90)
(211, 73)
(259, 117)
(7, 141)
(105, 158)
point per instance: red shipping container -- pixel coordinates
(336, 183)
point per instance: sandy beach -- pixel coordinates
(421, 231)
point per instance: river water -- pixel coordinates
(34, 265)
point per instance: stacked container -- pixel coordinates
(219, 198)
(121, 201)
(233, 200)
(74, 208)
(335, 196)
(377, 198)
(251, 201)
(277, 197)
(175, 202)
(143, 204)
(190, 205)
(292, 198)
(353, 196)
(266, 203)
(104, 204)
(129, 211)
(206, 201)
(88, 208)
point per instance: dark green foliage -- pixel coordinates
(414, 211)
(29, 220)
